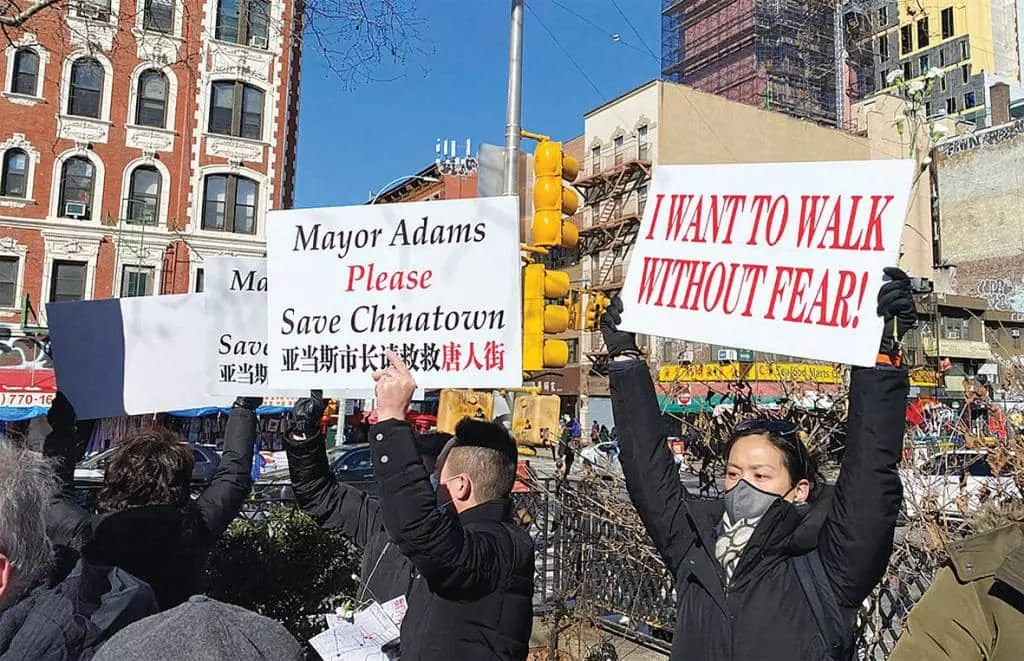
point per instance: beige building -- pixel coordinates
(662, 122)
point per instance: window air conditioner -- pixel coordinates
(257, 41)
(75, 209)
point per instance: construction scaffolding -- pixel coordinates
(783, 55)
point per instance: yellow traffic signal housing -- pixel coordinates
(454, 405)
(535, 420)
(574, 304)
(539, 318)
(551, 199)
(595, 308)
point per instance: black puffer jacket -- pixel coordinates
(163, 545)
(763, 614)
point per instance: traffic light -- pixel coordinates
(574, 304)
(540, 318)
(535, 420)
(551, 199)
(595, 308)
(454, 405)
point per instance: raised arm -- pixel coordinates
(333, 505)
(856, 538)
(221, 501)
(652, 477)
(67, 523)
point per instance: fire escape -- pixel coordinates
(615, 197)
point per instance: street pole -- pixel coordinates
(514, 110)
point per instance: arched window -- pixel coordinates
(144, 196)
(236, 109)
(229, 204)
(26, 72)
(14, 178)
(77, 183)
(151, 106)
(86, 96)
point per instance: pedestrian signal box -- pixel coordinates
(535, 420)
(454, 405)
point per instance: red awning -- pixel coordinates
(24, 388)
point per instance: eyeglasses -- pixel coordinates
(764, 426)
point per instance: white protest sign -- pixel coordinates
(783, 258)
(131, 356)
(236, 306)
(439, 282)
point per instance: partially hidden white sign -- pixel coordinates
(438, 282)
(784, 258)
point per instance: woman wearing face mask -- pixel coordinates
(778, 567)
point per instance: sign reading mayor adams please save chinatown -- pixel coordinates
(436, 282)
(710, 372)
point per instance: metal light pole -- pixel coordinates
(432, 180)
(514, 110)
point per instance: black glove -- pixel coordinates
(307, 414)
(896, 305)
(619, 343)
(251, 403)
(67, 441)
(61, 415)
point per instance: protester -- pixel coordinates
(202, 629)
(974, 609)
(566, 453)
(477, 564)
(149, 524)
(39, 620)
(386, 573)
(778, 567)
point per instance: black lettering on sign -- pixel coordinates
(248, 283)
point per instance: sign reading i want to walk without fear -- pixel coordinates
(784, 258)
(437, 282)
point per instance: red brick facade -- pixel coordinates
(95, 91)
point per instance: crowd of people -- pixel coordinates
(774, 569)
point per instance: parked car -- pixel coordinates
(955, 484)
(602, 458)
(89, 471)
(352, 464)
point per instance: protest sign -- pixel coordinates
(131, 356)
(439, 282)
(784, 258)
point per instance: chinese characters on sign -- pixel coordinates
(437, 282)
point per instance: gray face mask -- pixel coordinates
(745, 501)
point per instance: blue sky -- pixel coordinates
(352, 142)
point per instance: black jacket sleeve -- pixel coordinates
(67, 523)
(856, 538)
(333, 505)
(457, 563)
(221, 501)
(652, 477)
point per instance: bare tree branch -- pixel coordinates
(14, 17)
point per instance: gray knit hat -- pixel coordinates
(202, 629)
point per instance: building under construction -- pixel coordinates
(785, 55)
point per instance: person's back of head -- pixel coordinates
(478, 465)
(151, 468)
(27, 485)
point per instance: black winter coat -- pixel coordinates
(477, 567)
(165, 546)
(763, 613)
(386, 573)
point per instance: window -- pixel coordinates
(77, 180)
(26, 72)
(617, 143)
(969, 101)
(97, 10)
(929, 109)
(942, 84)
(86, 95)
(136, 281)
(922, 33)
(158, 16)
(883, 47)
(245, 22)
(67, 283)
(200, 281)
(965, 73)
(229, 204)
(144, 196)
(948, 29)
(595, 159)
(641, 194)
(14, 180)
(883, 16)
(951, 106)
(964, 50)
(8, 282)
(942, 57)
(923, 63)
(642, 146)
(574, 351)
(236, 109)
(908, 70)
(151, 106)
(906, 39)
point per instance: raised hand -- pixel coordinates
(395, 388)
(618, 342)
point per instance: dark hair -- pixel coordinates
(799, 463)
(151, 468)
(430, 444)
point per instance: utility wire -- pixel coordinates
(564, 50)
(614, 36)
(635, 31)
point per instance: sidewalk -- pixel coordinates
(578, 643)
